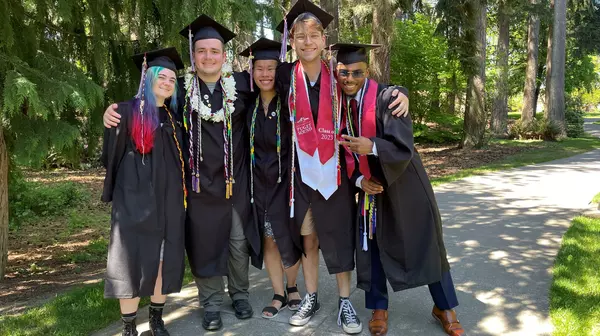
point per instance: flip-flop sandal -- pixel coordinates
(274, 311)
(293, 305)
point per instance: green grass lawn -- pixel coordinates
(592, 115)
(546, 151)
(575, 291)
(80, 311)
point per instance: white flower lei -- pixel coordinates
(228, 85)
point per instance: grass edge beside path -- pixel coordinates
(549, 151)
(79, 311)
(575, 290)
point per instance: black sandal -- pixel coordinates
(274, 311)
(293, 305)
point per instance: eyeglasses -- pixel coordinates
(356, 73)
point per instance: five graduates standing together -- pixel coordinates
(265, 165)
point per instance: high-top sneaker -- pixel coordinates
(347, 317)
(308, 307)
(129, 328)
(157, 325)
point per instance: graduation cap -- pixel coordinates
(167, 58)
(304, 6)
(299, 8)
(262, 49)
(349, 53)
(204, 27)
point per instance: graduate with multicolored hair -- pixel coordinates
(145, 181)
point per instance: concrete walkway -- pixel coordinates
(502, 231)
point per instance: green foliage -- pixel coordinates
(539, 129)
(574, 117)
(31, 199)
(73, 58)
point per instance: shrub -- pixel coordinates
(31, 199)
(543, 129)
(574, 117)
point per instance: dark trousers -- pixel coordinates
(442, 292)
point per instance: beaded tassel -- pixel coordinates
(228, 146)
(180, 157)
(335, 112)
(292, 94)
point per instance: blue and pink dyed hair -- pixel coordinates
(143, 137)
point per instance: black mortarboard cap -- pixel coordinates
(264, 49)
(167, 58)
(204, 27)
(349, 53)
(303, 6)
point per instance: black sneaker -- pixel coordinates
(212, 321)
(308, 307)
(157, 325)
(348, 319)
(243, 309)
(129, 328)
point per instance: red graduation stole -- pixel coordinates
(367, 119)
(309, 137)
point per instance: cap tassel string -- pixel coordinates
(284, 40)
(250, 61)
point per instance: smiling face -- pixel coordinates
(164, 84)
(308, 38)
(209, 56)
(352, 77)
(264, 74)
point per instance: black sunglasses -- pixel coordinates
(356, 73)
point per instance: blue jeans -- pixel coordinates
(442, 292)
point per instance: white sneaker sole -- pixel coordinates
(299, 323)
(353, 330)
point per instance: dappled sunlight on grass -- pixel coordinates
(575, 291)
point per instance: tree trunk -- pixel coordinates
(332, 7)
(452, 94)
(500, 107)
(3, 205)
(549, 62)
(435, 96)
(530, 92)
(556, 101)
(475, 116)
(383, 26)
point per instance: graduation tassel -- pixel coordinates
(250, 58)
(142, 103)
(284, 40)
(191, 49)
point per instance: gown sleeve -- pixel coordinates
(113, 149)
(395, 144)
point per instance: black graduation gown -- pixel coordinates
(209, 212)
(335, 217)
(271, 199)
(147, 208)
(409, 225)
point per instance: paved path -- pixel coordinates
(502, 231)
